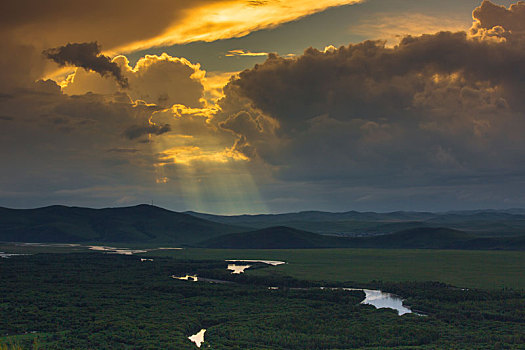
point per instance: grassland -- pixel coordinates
(462, 268)
(469, 269)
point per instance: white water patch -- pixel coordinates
(144, 259)
(59, 245)
(186, 278)
(382, 300)
(198, 338)
(8, 255)
(269, 262)
(113, 250)
(238, 269)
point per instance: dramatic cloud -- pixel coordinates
(92, 142)
(20, 66)
(87, 56)
(440, 109)
(438, 118)
(137, 131)
(108, 149)
(361, 75)
(240, 52)
(489, 15)
(161, 80)
(132, 24)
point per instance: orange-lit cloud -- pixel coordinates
(434, 110)
(240, 52)
(222, 20)
(187, 154)
(124, 26)
(213, 84)
(162, 80)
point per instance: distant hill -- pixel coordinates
(142, 223)
(443, 238)
(282, 237)
(279, 237)
(352, 223)
(153, 225)
(421, 237)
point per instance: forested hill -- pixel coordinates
(142, 223)
(279, 237)
(425, 237)
(488, 223)
(148, 224)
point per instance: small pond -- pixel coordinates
(198, 338)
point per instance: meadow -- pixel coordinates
(461, 268)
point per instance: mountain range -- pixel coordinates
(141, 224)
(146, 224)
(282, 237)
(352, 223)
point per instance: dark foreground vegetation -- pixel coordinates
(101, 301)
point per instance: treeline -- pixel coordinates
(102, 301)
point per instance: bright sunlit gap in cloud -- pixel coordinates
(222, 20)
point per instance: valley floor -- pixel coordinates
(111, 301)
(462, 268)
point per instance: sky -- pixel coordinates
(263, 106)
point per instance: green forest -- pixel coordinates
(103, 301)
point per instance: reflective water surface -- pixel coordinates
(113, 250)
(237, 269)
(186, 278)
(269, 262)
(381, 300)
(198, 338)
(8, 255)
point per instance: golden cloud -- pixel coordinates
(223, 20)
(163, 80)
(240, 52)
(213, 84)
(124, 26)
(187, 154)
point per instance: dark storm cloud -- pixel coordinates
(58, 143)
(20, 66)
(368, 79)
(87, 56)
(437, 119)
(137, 131)
(443, 108)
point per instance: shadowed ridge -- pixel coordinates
(282, 237)
(277, 237)
(141, 223)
